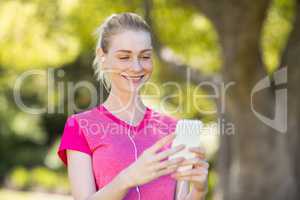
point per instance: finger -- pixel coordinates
(198, 179)
(169, 152)
(192, 172)
(201, 156)
(198, 150)
(195, 161)
(165, 171)
(162, 142)
(169, 163)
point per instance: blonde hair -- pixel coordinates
(114, 24)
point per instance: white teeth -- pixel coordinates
(133, 77)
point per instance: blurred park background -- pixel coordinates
(216, 40)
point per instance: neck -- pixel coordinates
(128, 101)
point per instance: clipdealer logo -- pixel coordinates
(279, 122)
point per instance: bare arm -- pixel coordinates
(83, 184)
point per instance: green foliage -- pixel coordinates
(190, 100)
(212, 182)
(90, 14)
(276, 30)
(182, 28)
(32, 37)
(42, 177)
(38, 178)
(19, 178)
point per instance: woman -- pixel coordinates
(110, 157)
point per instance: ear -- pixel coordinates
(100, 54)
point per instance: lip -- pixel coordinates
(134, 79)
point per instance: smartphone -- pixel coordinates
(188, 133)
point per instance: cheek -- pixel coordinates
(116, 78)
(147, 65)
(118, 81)
(118, 66)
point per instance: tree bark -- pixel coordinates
(255, 162)
(291, 60)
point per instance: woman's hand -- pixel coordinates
(151, 165)
(199, 172)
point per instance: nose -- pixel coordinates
(136, 65)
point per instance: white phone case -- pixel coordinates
(187, 133)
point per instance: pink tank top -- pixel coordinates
(113, 145)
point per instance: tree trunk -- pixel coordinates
(291, 59)
(255, 162)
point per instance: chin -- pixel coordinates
(127, 88)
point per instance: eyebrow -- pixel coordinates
(128, 51)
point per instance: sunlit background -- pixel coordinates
(58, 35)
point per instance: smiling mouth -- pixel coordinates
(133, 78)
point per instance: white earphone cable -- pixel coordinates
(135, 154)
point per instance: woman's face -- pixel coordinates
(129, 60)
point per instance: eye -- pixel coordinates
(124, 58)
(146, 57)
